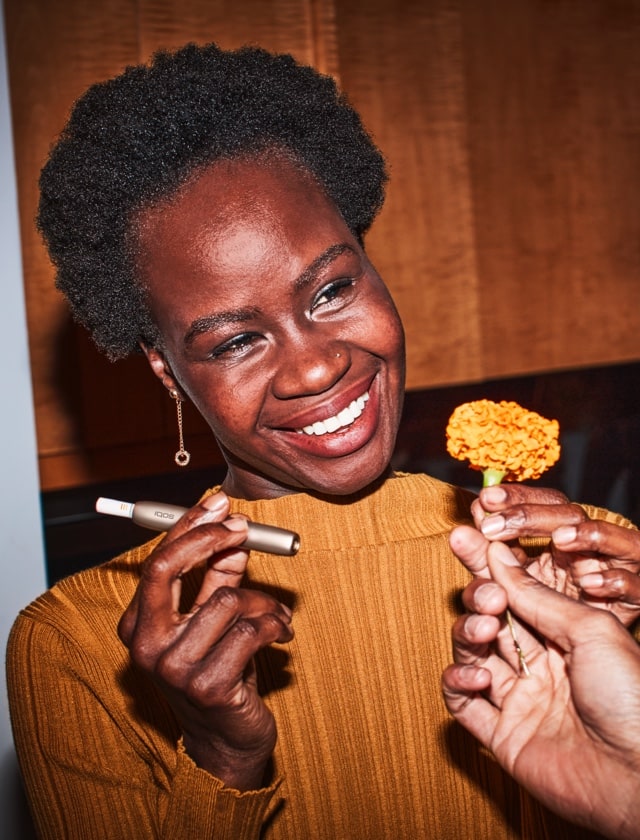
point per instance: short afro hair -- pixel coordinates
(135, 139)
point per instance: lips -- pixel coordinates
(349, 422)
(326, 407)
(338, 421)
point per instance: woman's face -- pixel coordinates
(276, 326)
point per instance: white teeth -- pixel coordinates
(346, 416)
(339, 421)
(331, 424)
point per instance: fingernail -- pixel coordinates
(494, 494)
(592, 580)
(215, 503)
(233, 524)
(472, 624)
(492, 525)
(564, 534)
(504, 554)
(484, 594)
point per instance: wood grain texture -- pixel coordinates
(511, 233)
(55, 50)
(555, 166)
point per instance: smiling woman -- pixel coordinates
(288, 317)
(210, 208)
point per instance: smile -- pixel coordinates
(339, 421)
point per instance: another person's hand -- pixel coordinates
(589, 559)
(202, 659)
(570, 732)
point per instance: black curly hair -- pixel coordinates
(137, 138)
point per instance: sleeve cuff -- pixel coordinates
(201, 806)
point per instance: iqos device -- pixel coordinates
(161, 517)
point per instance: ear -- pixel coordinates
(161, 368)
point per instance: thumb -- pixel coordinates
(470, 547)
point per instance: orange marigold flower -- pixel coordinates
(504, 438)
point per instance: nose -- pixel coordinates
(311, 368)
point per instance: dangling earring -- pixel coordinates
(182, 457)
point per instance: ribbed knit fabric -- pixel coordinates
(366, 749)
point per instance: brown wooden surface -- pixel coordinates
(510, 238)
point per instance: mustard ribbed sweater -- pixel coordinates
(366, 749)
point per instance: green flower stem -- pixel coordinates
(491, 477)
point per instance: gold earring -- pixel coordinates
(182, 457)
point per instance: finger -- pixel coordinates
(483, 596)
(464, 681)
(460, 687)
(214, 508)
(225, 608)
(218, 673)
(596, 536)
(620, 584)
(487, 599)
(157, 600)
(470, 547)
(530, 520)
(472, 636)
(482, 641)
(224, 568)
(211, 634)
(485, 641)
(557, 617)
(509, 494)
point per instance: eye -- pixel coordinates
(235, 347)
(332, 292)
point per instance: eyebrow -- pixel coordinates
(322, 261)
(220, 319)
(212, 322)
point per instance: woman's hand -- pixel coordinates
(569, 733)
(202, 660)
(589, 559)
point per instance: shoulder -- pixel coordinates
(594, 512)
(83, 606)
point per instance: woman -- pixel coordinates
(210, 209)
(579, 712)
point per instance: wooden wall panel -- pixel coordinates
(283, 26)
(511, 233)
(55, 49)
(554, 127)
